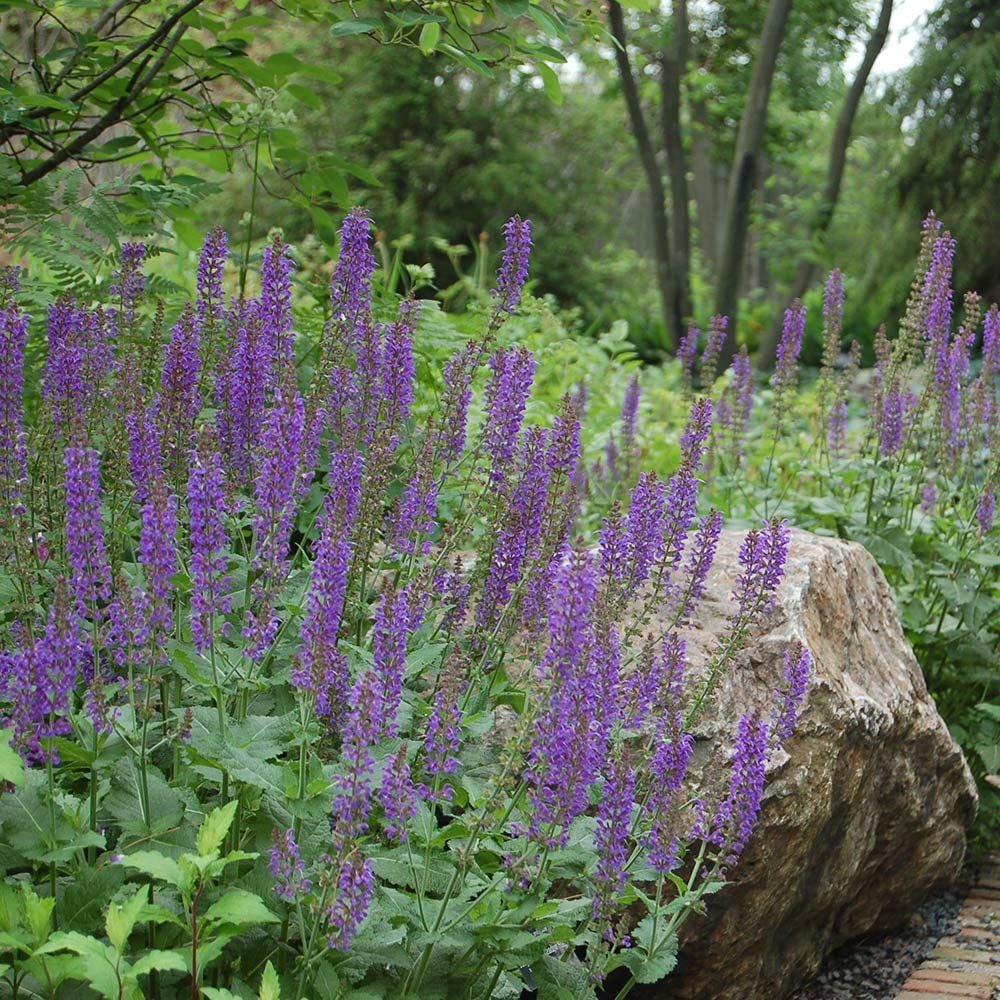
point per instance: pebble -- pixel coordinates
(876, 968)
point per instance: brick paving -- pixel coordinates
(965, 964)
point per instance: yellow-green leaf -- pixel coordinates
(430, 35)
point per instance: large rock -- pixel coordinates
(866, 812)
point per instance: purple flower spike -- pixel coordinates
(700, 561)
(398, 796)
(129, 283)
(668, 770)
(442, 739)
(762, 555)
(287, 867)
(687, 351)
(354, 888)
(350, 287)
(396, 369)
(928, 498)
(506, 398)
(567, 749)
(789, 348)
(322, 669)
(833, 303)
(695, 436)
(612, 842)
(158, 552)
(179, 400)
(395, 621)
(211, 267)
(209, 544)
(276, 300)
(737, 813)
(797, 668)
(630, 410)
(458, 375)
(85, 549)
(13, 452)
(644, 527)
(514, 267)
(718, 330)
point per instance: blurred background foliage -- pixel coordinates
(159, 119)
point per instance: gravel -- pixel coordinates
(875, 968)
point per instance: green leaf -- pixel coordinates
(121, 919)
(97, 961)
(356, 26)
(650, 967)
(553, 88)
(240, 907)
(156, 865)
(430, 35)
(213, 831)
(561, 980)
(161, 961)
(270, 987)
(11, 765)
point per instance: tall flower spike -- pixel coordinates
(700, 561)
(179, 401)
(737, 813)
(85, 548)
(833, 317)
(506, 397)
(644, 528)
(718, 330)
(612, 842)
(350, 287)
(695, 436)
(687, 351)
(129, 283)
(158, 552)
(211, 266)
(287, 867)
(276, 300)
(397, 795)
(209, 543)
(322, 669)
(789, 348)
(13, 452)
(762, 555)
(514, 267)
(350, 900)
(789, 698)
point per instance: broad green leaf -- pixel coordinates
(97, 961)
(214, 829)
(161, 961)
(240, 907)
(561, 980)
(121, 919)
(11, 765)
(356, 26)
(157, 866)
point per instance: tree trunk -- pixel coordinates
(673, 62)
(749, 141)
(672, 319)
(834, 175)
(710, 184)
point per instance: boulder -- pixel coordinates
(865, 811)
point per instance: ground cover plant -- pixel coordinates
(304, 696)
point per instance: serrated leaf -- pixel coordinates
(270, 986)
(156, 865)
(213, 830)
(121, 919)
(240, 907)
(161, 961)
